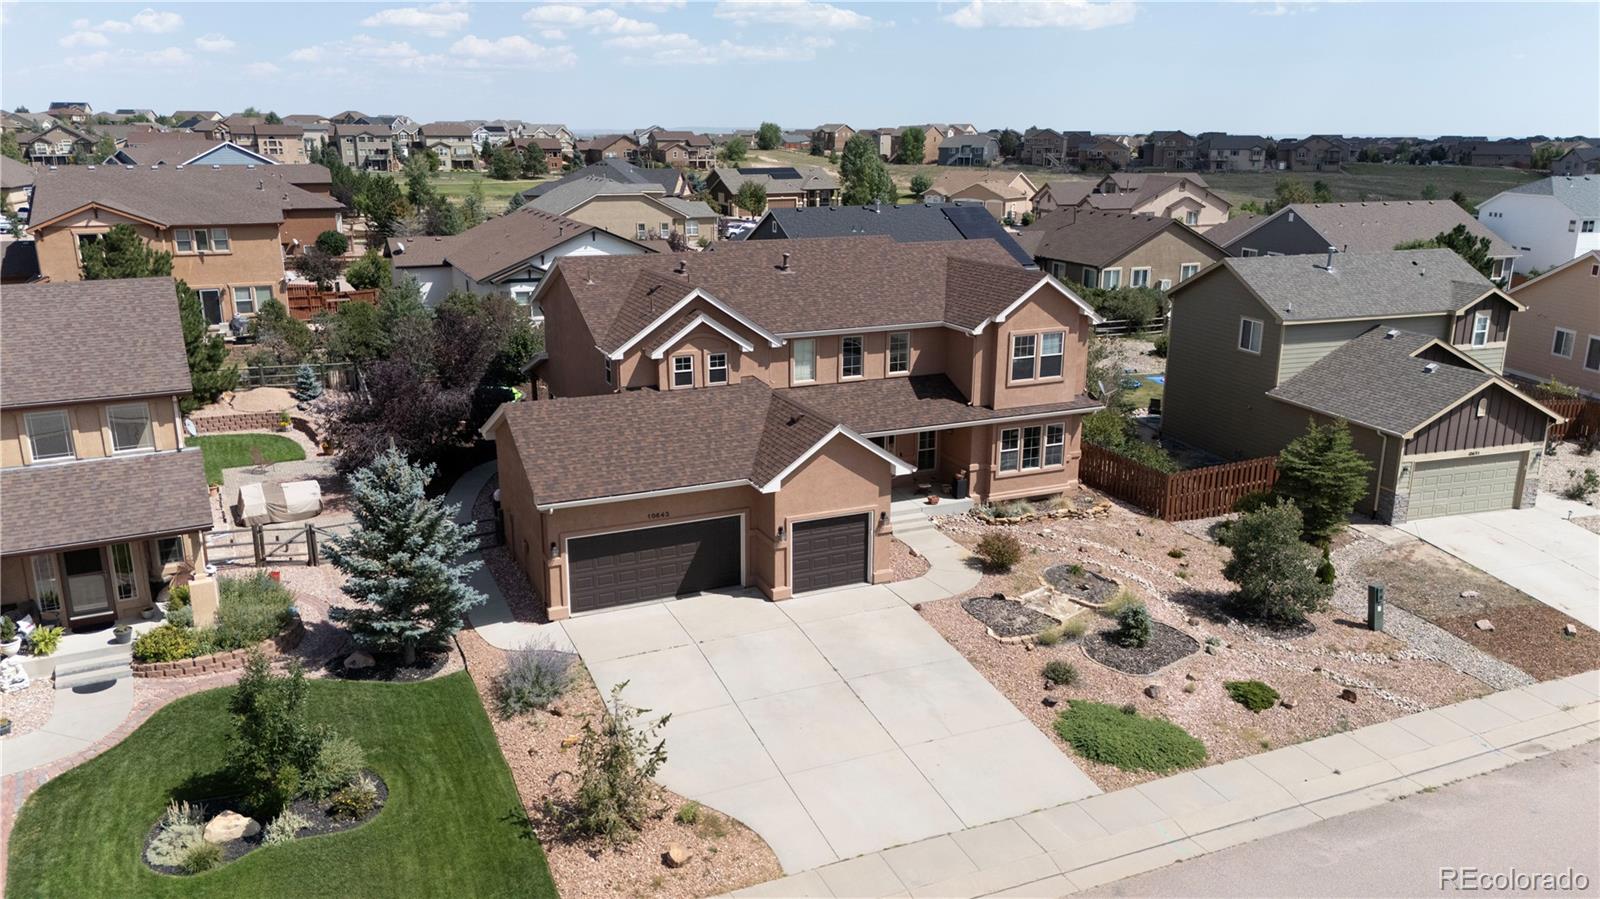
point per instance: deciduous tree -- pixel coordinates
(769, 136)
(913, 141)
(734, 151)
(864, 176)
(752, 197)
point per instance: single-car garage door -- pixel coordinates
(653, 563)
(1458, 486)
(830, 552)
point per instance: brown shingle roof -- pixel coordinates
(448, 129)
(493, 246)
(226, 195)
(1377, 227)
(1097, 238)
(619, 444)
(167, 147)
(103, 501)
(76, 341)
(924, 402)
(831, 283)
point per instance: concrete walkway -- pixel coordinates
(82, 717)
(1083, 844)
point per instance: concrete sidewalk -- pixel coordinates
(81, 717)
(1093, 841)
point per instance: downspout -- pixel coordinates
(1377, 485)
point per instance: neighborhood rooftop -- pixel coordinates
(489, 248)
(1580, 193)
(906, 224)
(1090, 237)
(1379, 227)
(232, 195)
(1410, 282)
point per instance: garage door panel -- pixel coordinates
(616, 569)
(1465, 485)
(830, 552)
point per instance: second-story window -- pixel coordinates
(803, 359)
(1050, 354)
(49, 435)
(1188, 270)
(641, 232)
(1250, 335)
(717, 368)
(1022, 356)
(682, 371)
(850, 353)
(1111, 278)
(900, 353)
(1139, 277)
(1480, 328)
(130, 427)
(1191, 218)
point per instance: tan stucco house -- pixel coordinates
(1112, 249)
(740, 417)
(637, 211)
(103, 504)
(1558, 335)
(1186, 198)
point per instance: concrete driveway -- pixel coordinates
(833, 725)
(1534, 550)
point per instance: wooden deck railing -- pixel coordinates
(306, 302)
(1180, 496)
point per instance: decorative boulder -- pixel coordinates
(1153, 691)
(1347, 695)
(358, 660)
(1483, 624)
(230, 826)
(677, 855)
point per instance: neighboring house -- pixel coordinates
(457, 144)
(907, 224)
(970, 149)
(1111, 250)
(740, 417)
(350, 117)
(671, 181)
(1169, 150)
(1355, 228)
(1186, 198)
(1558, 335)
(1578, 161)
(1549, 221)
(228, 229)
(1317, 153)
(609, 146)
(1061, 195)
(73, 113)
(16, 183)
(369, 147)
(798, 141)
(279, 143)
(1405, 346)
(787, 187)
(883, 140)
(175, 148)
(555, 153)
(1497, 153)
(1007, 195)
(638, 211)
(832, 137)
(1234, 153)
(933, 137)
(555, 130)
(105, 507)
(508, 254)
(56, 145)
(682, 149)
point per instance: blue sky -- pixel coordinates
(1280, 68)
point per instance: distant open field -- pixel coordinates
(496, 194)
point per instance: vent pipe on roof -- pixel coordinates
(785, 265)
(1391, 334)
(1328, 267)
(261, 184)
(1430, 368)
(683, 267)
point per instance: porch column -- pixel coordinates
(203, 599)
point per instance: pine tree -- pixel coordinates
(1275, 572)
(402, 562)
(1325, 475)
(307, 386)
(122, 253)
(210, 375)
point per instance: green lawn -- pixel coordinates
(233, 451)
(496, 194)
(450, 827)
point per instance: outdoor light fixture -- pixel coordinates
(553, 552)
(780, 533)
(883, 519)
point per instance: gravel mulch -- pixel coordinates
(1556, 471)
(513, 584)
(1089, 586)
(1007, 617)
(905, 561)
(1391, 677)
(28, 709)
(726, 854)
(1167, 645)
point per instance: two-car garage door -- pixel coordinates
(1459, 486)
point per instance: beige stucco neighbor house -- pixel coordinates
(1558, 335)
(1007, 195)
(633, 210)
(104, 506)
(1186, 198)
(1112, 249)
(1405, 346)
(741, 416)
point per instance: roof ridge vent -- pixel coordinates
(1430, 368)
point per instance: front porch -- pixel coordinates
(89, 589)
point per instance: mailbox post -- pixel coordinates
(1375, 607)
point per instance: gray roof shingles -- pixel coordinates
(1580, 193)
(1404, 282)
(906, 224)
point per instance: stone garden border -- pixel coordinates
(233, 659)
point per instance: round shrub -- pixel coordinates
(355, 799)
(1133, 626)
(202, 856)
(1113, 736)
(533, 679)
(1060, 673)
(999, 551)
(333, 243)
(1050, 636)
(338, 762)
(167, 643)
(1252, 694)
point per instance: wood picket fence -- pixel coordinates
(1179, 496)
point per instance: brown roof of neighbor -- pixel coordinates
(618, 444)
(830, 283)
(1228, 231)
(106, 500)
(43, 324)
(448, 129)
(1098, 238)
(493, 246)
(688, 138)
(349, 130)
(924, 402)
(602, 141)
(14, 173)
(1138, 189)
(225, 195)
(284, 130)
(167, 147)
(1377, 227)
(1069, 193)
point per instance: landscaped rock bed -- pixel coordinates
(389, 667)
(1007, 617)
(1088, 587)
(1167, 645)
(319, 822)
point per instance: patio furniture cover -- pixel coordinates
(294, 500)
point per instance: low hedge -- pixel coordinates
(249, 610)
(1120, 737)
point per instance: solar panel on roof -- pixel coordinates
(777, 173)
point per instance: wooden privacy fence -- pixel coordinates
(334, 375)
(1180, 496)
(1582, 417)
(1129, 328)
(305, 302)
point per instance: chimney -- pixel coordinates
(785, 265)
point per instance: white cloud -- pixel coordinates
(792, 13)
(361, 47)
(680, 49)
(84, 39)
(469, 52)
(157, 22)
(261, 69)
(1083, 15)
(553, 34)
(651, 5)
(1279, 8)
(510, 52)
(115, 26)
(166, 57)
(437, 20)
(601, 21)
(214, 43)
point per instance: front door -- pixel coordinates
(87, 595)
(211, 302)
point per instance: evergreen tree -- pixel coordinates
(9, 146)
(534, 164)
(473, 210)
(382, 202)
(307, 385)
(863, 174)
(1475, 250)
(402, 562)
(122, 253)
(210, 375)
(1325, 476)
(912, 142)
(1275, 572)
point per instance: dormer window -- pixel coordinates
(682, 371)
(1480, 328)
(49, 435)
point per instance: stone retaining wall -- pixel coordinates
(224, 661)
(235, 421)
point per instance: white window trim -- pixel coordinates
(609, 373)
(888, 354)
(1193, 268)
(1166, 284)
(1038, 365)
(111, 432)
(795, 345)
(27, 443)
(1481, 409)
(691, 228)
(675, 371)
(711, 366)
(861, 357)
(1259, 330)
(1021, 431)
(1032, 357)
(1108, 271)
(225, 242)
(1133, 276)
(1484, 317)
(1061, 444)
(1572, 342)
(1592, 339)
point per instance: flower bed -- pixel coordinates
(231, 660)
(251, 612)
